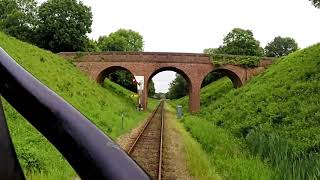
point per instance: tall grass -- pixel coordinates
(225, 153)
(279, 153)
(198, 162)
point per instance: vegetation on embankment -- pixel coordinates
(275, 117)
(197, 161)
(103, 106)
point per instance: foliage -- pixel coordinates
(241, 42)
(287, 164)
(178, 88)
(121, 40)
(283, 101)
(151, 89)
(159, 95)
(18, 18)
(281, 47)
(63, 25)
(198, 163)
(103, 106)
(225, 153)
(123, 78)
(316, 3)
(245, 61)
(212, 51)
(91, 46)
(211, 77)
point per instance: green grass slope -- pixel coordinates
(103, 106)
(275, 117)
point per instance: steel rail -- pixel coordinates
(143, 129)
(161, 143)
(91, 153)
(160, 107)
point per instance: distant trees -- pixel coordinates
(63, 25)
(281, 47)
(151, 89)
(177, 88)
(18, 18)
(56, 25)
(121, 40)
(240, 42)
(316, 3)
(212, 51)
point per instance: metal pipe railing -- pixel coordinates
(92, 154)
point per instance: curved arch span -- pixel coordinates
(174, 69)
(236, 81)
(103, 74)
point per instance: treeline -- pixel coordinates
(236, 42)
(62, 26)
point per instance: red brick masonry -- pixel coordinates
(193, 67)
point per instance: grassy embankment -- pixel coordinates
(272, 122)
(196, 159)
(103, 106)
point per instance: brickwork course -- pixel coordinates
(193, 67)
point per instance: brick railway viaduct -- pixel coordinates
(193, 67)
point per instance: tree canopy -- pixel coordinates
(281, 47)
(241, 42)
(63, 25)
(212, 51)
(121, 40)
(316, 3)
(18, 18)
(177, 88)
(151, 89)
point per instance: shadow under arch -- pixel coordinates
(174, 69)
(236, 81)
(103, 74)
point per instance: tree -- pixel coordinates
(178, 88)
(18, 18)
(212, 51)
(121, 40)
(91, 46)
(63, 25)
(241, 42)
(281, 47)
(211, 77)
(151, 89)
(316, 3)
(124, 79)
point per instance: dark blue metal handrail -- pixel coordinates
(92, 154)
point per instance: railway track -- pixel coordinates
(147, 147)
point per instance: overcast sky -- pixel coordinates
(193, 25)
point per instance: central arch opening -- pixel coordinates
(170, 83)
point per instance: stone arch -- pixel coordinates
(102, 75)
(233, 76)
(175, 69)
(170, 68)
